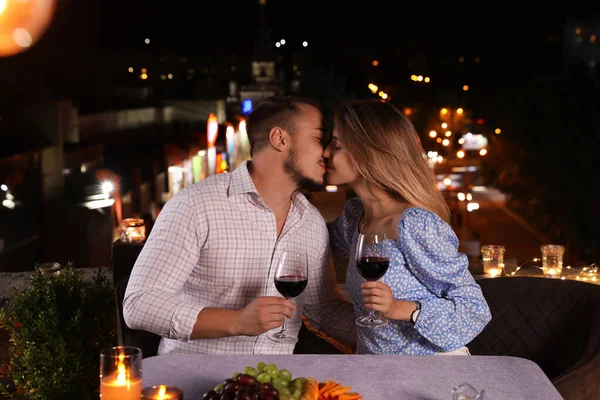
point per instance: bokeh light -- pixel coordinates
(23, 23)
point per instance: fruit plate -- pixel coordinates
(268, 382)
(327, 390)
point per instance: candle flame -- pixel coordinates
(122, 375)
(162, 391)
(494, 272)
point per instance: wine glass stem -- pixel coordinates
(372, 315)
(283, 326)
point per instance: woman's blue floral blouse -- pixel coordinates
(425, 266)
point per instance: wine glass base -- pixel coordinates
(282, 337)
(371, 321)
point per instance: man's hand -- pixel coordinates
(263, 314)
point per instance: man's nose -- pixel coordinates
(326, 152)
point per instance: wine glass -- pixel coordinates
(291, 277)
(372, 261)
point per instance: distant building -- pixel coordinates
(582, 42)
(264, 75)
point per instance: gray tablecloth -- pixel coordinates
(374, 377)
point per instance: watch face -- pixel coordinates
(415, 315)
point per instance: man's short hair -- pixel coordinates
(274, 111)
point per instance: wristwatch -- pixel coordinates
(415, 314)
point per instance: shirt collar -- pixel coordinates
(241, 183)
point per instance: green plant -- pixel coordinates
(58, 325)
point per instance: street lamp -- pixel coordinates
(107, 187)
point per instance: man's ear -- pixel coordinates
(279, 138)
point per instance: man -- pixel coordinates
(204, 280)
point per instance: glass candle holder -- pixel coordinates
(162, 392)
(552, 260)
(121, 373)
(467, 392)
(50, 268)
(493, 259)
(133, 230)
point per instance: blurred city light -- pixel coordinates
(472, 207)
(107, 187)
(22, 24)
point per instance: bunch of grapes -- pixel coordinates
(263, 382)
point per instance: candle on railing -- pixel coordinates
(494, 272)
(121, 373)
(493, 259)
(162, 392)
(133, 230)
(552, 260)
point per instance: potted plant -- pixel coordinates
(58, 325)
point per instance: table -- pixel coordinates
(375, 377)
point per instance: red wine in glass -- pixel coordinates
(372, 262)
(291, 278)
(290, 286)
(373, 268)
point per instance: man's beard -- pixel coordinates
(303, 182)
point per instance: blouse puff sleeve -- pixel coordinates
(458, 312)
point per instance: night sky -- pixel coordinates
(345, 33)
(335, 29)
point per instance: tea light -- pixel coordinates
(162, 392)
(133, 230)
(495, 272)
(552, 260)
(552, 272)
(50, 268)
(493, 259)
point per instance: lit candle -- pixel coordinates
(133, 234)
(133, 230)
(120, 386)
(551, 272)
(494, 272)
(162, 392)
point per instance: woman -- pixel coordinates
(433, 304)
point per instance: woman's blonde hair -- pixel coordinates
(387, 152)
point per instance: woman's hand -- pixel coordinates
(378, 296)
